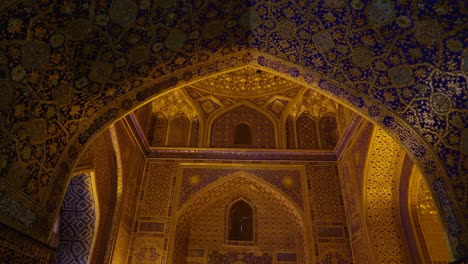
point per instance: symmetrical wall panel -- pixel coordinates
(328, 127)
(274, 230)
(179, 129)
(204, 236)
(263, 130)
(157, 189)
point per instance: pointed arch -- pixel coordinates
(240, 220)
(222, 126)
(240, 180)
(407, 136)
(328, 131)
(242, 134)
(179, 128)
(307, 136)
(159, 126)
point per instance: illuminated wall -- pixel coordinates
(132, 168)
(351, 166)
(68, 70)
(381, 199)
(100, 157)
(428, 229)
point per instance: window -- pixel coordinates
(241, 222)
(242, 134)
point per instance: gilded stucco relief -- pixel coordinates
(69, 69)
(429, 230)
(380, 201)
(351, 165)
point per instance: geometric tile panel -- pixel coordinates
(63, 63)
(78, 219)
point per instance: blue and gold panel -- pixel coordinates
(78, 219)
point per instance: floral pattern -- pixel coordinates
(414, 48)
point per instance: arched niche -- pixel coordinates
(240, 221)
(179, 129)
(307, 136)
(237, 184)
(328, 127)
(247, 118)
(78, 221)
(195, 132)
(243, 134)
(158, 130)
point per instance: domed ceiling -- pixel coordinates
(250, 87)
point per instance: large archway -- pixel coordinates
(64, 81)
(407, 137)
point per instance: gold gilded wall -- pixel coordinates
(351, 166)
(273, 228)
(150, 228)
(173, 210)
(133, 164)
(100, 157)
(331, 241)
(381, 204)
(171, 187)
(429, 230)
(68, 70)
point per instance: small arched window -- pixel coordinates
(241, 222)
(242, 134)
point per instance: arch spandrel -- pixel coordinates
(358, 46)
(232, 182)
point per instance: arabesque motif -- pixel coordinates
(71, 68)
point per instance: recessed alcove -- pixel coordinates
(309, 172)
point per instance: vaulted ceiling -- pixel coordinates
(267, 93)
(68, 69)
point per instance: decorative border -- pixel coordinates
(118, 199)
